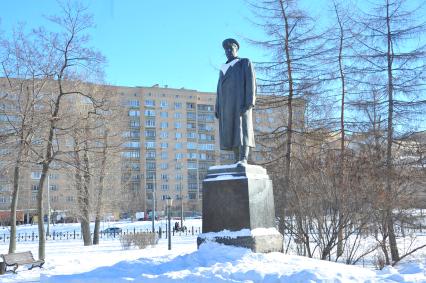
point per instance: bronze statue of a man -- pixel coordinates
(236, 95)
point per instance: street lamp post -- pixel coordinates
(153, 205)
(48, 205)
(181, 208)
(169, 206)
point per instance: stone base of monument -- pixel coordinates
(268, 240)
(240, 198)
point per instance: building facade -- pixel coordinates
(169, 139)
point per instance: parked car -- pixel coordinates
(112, 230)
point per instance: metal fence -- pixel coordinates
(76, 234)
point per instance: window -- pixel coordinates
(179, 177)
(271, 120)
(190, 125)
(165, 187)
(149, 144)
(135, 166)
(134, 113)
(178, 135)
(150, 123)
(179, 155)
(4, 187)
(178, 187)
(150, 113)
(150, 176)
(192, 155)
(150, 165)
(178, 145)
(191, 135)
(190, 105)
(164, 125)
(53, 176)
(164, 135)
(192, 165)
(164, 104)
(178, 115)
(205, 107)
(150, 154)
(164, 197)
(164, 114)
(69, 199)
(192, 196)
(133, 103)
(206, 146)
(35, 175)
(164, 177)
(205, 127)
(150, 103)
(4, 199)
(191, 145)
(164, 145)
(132, 144)
(54, 198)
(34, 187)
(150, 133)
(178, 105)
(190, 116)
(130, 154)
(135, 124)
(192, 186)
(53, 187)
(164, 155)
(131, 134)
(178, 125)
(206, 117)
(164, 166)
(178, 166)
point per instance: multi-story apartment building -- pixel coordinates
(169, 140)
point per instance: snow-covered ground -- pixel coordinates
(70, 261)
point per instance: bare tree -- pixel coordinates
(22, 69)
(388, 51)
(291, 74)
(69, 61)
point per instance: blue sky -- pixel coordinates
(169, 42)
(174, 43)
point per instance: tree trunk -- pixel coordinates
(389, 165)
(81, 196)
(100, 191)
(40, 223)
(287, 172)
(342, 135)
(13, 207)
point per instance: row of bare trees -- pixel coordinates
(359, 77)
(54, 117)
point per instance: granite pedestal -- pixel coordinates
(240, 198)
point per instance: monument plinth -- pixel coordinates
(238, 208)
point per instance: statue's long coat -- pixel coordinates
(236, 95)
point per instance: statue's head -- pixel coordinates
(231, 47)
